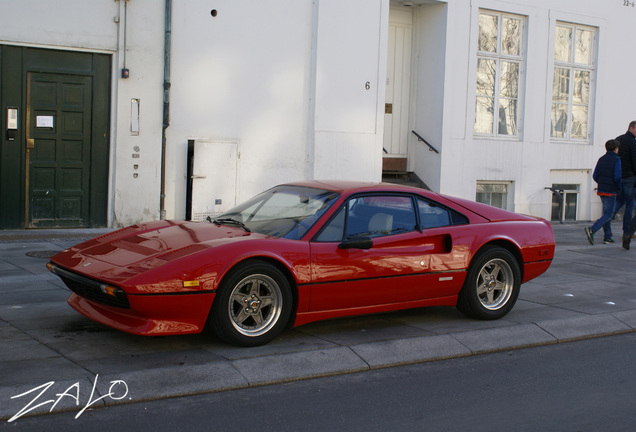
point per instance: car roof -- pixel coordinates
(349, 186)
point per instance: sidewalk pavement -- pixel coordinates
(53, 359)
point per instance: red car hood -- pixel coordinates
(166, 240)
(145, 246)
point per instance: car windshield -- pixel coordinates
(283, 211)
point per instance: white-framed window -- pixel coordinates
(574, 68)
(500, 64)
(494, 194)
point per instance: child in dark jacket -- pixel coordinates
(607, 175)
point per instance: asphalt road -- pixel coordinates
(577, 386)
(43, 342)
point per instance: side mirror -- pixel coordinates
(361, 242)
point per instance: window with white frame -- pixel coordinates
(500, 56)
(494, 194)
(573, 73)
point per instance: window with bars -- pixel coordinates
(500, 54)
(573, 73)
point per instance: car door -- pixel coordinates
(396, 269)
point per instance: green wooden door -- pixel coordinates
(58, 150)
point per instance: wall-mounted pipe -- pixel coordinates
(166, 103)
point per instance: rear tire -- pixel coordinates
(253, 304)
(492, 285)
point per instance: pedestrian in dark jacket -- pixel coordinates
(627, 153)
(607, 174)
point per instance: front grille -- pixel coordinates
(91, 289)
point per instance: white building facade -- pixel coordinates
(116, 112)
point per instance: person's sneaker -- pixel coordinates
(626, 240)
(590, 236)
(608, 240)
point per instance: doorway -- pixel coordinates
(58, 150)
(565, 200)
(54, 155)
(398, 89)
(212, 174)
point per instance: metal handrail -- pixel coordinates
(419, 138)
(559, 194)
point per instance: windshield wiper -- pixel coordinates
(230, 221)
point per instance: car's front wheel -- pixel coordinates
(492, 284)
(253, 304)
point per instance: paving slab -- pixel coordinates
(172, 382)
(412, 350)
(299, 365)
(504, 338)
(581, 327)
(627, 317)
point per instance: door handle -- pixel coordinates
(30, 143)
(194, 177)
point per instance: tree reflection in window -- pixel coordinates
(499, 65)
(573, 71)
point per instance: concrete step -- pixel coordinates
(403, 178)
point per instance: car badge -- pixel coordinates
(87, 264)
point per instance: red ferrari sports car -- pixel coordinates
(304, 252)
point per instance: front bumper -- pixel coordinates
(151, 315)
(140, 314)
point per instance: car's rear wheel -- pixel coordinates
(492, 284)
(253, 304)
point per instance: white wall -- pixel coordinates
(350, 76)
(240, 76)
(137, 198)
(430, 22)
(284, 79)
(75, 24)
(529, 161)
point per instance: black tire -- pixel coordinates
(252, 305)
(492, 285)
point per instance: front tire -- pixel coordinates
(253, 304)
(492, 285)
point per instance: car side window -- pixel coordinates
(379, 215)
(373, 216)
(433, 215)
(334, 230)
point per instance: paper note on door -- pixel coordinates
(44, 121)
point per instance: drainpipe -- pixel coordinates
(166, 104)
(310, 163)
